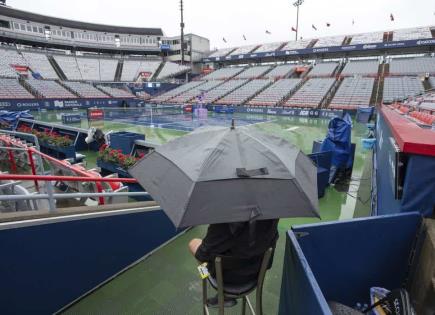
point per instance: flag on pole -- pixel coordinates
(328, 24)
(353, 21)
(315, 28)
(293, 29)
(244, 37)
(391, 17)
(223, 38)
(268, 32)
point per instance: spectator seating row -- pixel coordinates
(115, 92)
(432, 82)
(412, 66)
(300, 44)
(97, 69)
(374, 37)
(412, 33)
(253, 72)
(361, 67)
(177, 91)
(424, 118)
(281, 71)
(50, 89)
(329, 41)
(132, 68)
(312, 93)
(195, 92)
(9, 57)
(400, 88)
(223, 73)
(39, 63)
(244, 93)
(353, 93)
(275, 93)
(12, 89)
(85, 90)
(171, 69)
(243, 50)
(269, 47)
(222, 52)
(221, 91)
(69, 66)
(323, 69)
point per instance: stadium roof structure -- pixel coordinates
(20, 14)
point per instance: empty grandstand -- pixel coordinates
(9, 59)
(85, 90)
(276, 93)
(281, 71)
(323, 69)
(412, 33)
(300, 44)
(38, 63)
(312, 93)
(97, 69)
(243, 94)
(12, 89)
(353, 93)
(244, 50)
(221, 91)
(133, 68)
(253, 72)
(361, 67)
(69, 66)
(329, 41)
(195, 92)
(223, 73)
(412, 66)
(399, 88)
(269, 47)
(171, 69)
(115, 92)
(177, 91)
(374, 37)
(222, 52)
(49, 89)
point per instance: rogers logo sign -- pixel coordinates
(426, 42)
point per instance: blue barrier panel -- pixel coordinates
(124, 140)
(364, 114)
(341, 261)
(71, 118)
(44, 267)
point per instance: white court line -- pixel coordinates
(293, 128)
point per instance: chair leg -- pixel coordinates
(204, 296)
(259, 302)
(244, 305)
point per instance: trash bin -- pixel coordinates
(124, 140)
(364, 114)
(341, 261)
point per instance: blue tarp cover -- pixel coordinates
(338, 140)
(11, 118)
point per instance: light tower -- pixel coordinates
(297, 4)
(182, 32)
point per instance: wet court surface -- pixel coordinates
(167, 282)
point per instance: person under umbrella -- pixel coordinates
(238, 180)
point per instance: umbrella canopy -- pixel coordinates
(218, 175)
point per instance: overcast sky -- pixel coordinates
(232, 19)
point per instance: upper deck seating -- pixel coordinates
(353, 93)
(367, 38)
(39, 63)
(275, 93)
(97, 69)
(69, 66)
(116, 92)
(50, 89)
(312, 93)
(300, 44)
(12, 89)
(361, 67)
(243, 50)
(329, 41)
(222, 52)
(412, 33)
(9, 57)
(172, 69)
(242, 94)
(269, 47)
(132, 68)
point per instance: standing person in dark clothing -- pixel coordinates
(242, 240)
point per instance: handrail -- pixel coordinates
(67, 178)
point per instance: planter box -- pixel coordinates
(58, 152)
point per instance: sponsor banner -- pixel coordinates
(332, 49)
(297, 112)
(95, 114)
(165, 47)
(35, 104)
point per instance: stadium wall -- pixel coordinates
(35, 104)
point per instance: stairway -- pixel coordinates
(292, 92)
(68, 88)
(324, 103)
(118, 71)
(159, 69)
(56, 68)
(29, 88)
(258, 92)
